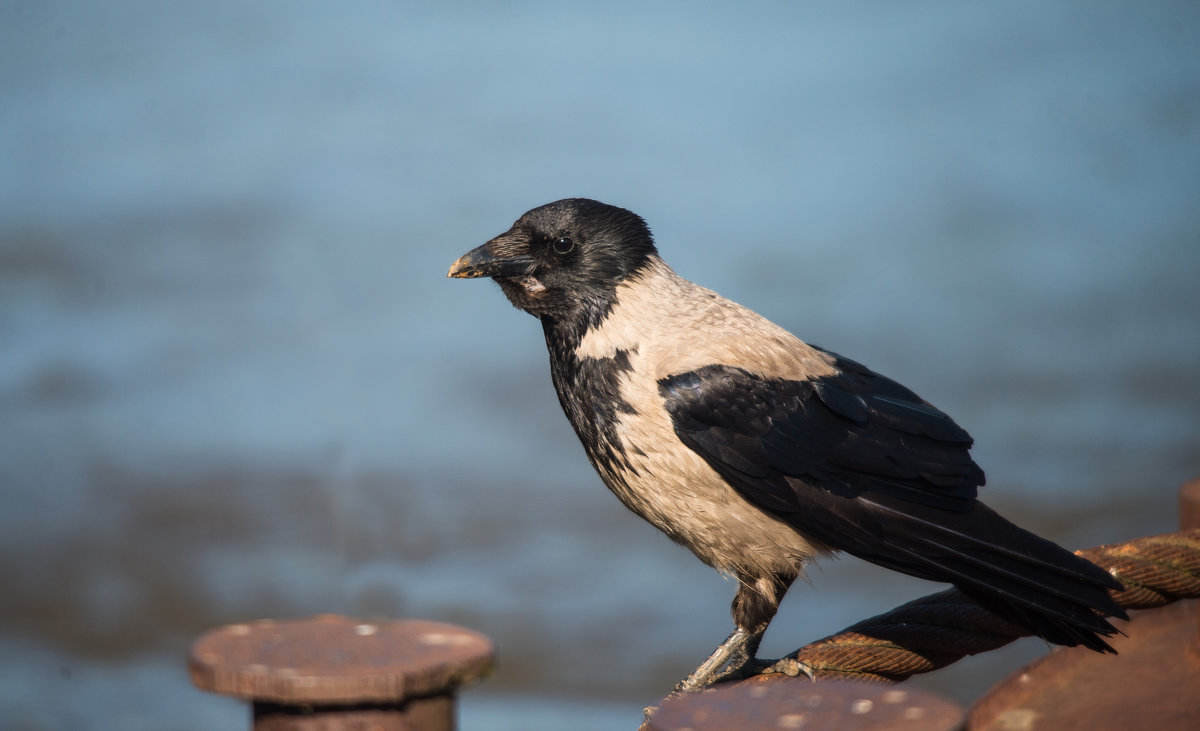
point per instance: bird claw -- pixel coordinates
(730, 661)
(790, 667)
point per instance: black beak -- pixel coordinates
(503, 256)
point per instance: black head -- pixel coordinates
(564, 260)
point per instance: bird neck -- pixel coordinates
(589, 391)
(565, 331)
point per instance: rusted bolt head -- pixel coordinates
(782, 703)
(328, 660)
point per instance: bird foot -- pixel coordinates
(790, 667)
(729, 661)
(747, 668)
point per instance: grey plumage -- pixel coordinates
(756, 450)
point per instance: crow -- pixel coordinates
(757, 451)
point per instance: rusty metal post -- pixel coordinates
(332, 673)
(1189, 505)
(783, 703)
(1153, 681)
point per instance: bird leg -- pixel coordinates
(736, 659)
(726, 662)
(753, 608)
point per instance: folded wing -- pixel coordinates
(865, 466)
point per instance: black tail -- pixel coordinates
(1025, 579)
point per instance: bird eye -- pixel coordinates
(563, 245)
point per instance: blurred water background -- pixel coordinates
(235, 382)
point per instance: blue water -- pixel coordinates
(235, 383)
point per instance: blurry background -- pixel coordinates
(235, 382)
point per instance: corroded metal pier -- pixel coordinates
(332, 673)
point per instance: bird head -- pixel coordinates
(563, 260)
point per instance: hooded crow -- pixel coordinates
(758, 451)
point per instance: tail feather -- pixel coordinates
(1021, 577)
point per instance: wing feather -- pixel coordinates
(863, 465)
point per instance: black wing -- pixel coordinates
(864, 465)
(848, 434)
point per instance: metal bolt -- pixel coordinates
(334, 673)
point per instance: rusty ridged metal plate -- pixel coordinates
(799, 703)
(1152, 683)
(331, 659)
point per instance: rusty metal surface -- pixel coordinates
(1152, 683)
(1189, 504)
(783, 703)
(332, 660)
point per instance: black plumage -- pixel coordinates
(596, 425)
(863, 465)
(758, 451)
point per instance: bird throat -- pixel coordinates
(589, 390)
(526, 292)
(532, 285)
